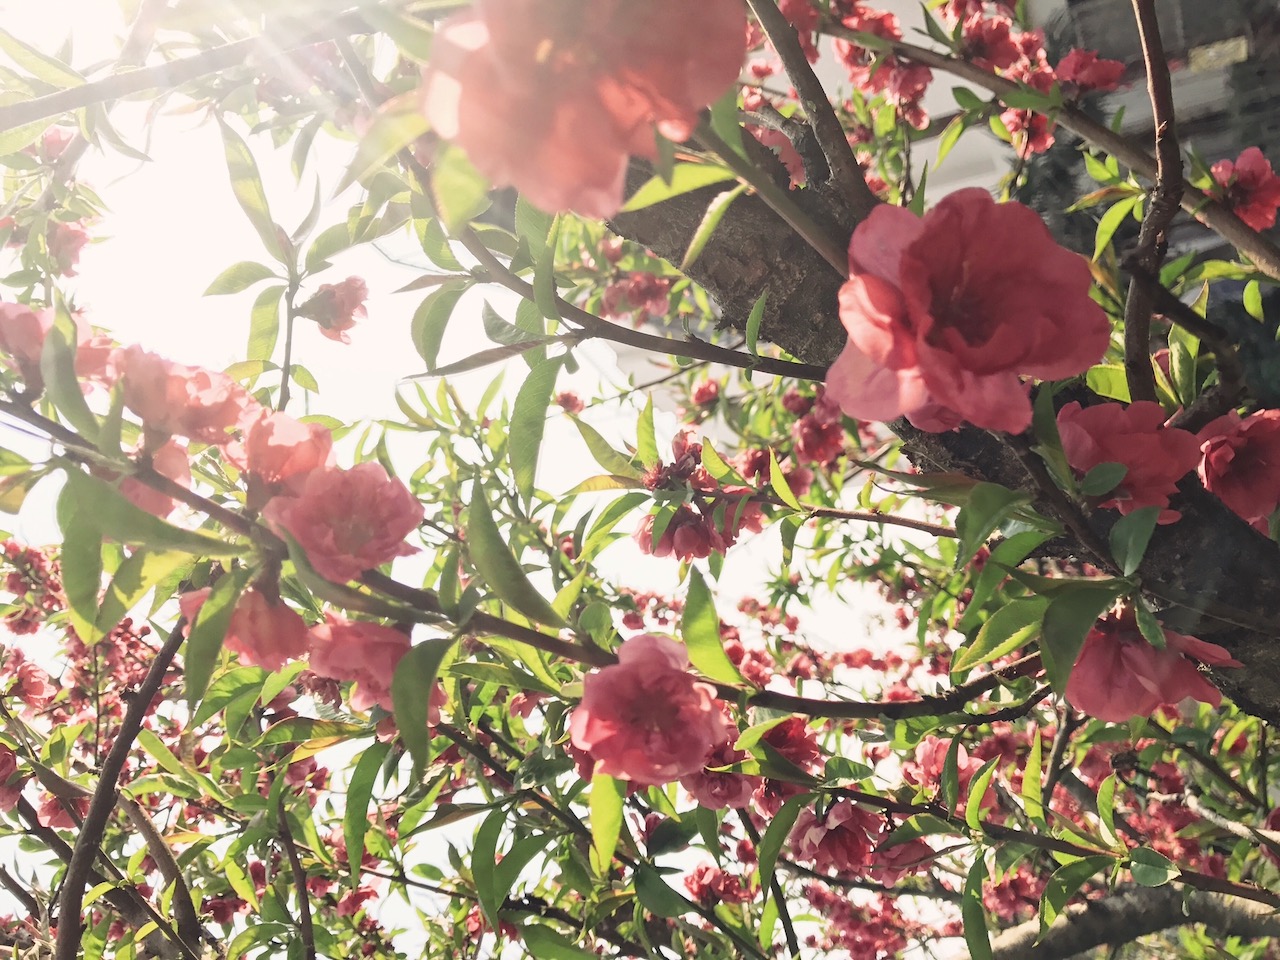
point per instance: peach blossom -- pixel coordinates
(265, 633)
(366, 653)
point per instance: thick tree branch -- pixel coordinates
(1130, 913)
(1165, 196)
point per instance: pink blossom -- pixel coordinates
(172, 398)
(985, 41)
(1085, 73)
(1119, 675)
(553, 99)
(1240, 462)
(366, 653)
(647, 719)
(709, 885)
(170, 461)
(336, 306)
(66, 240)
(22, 333)
(705, 392)
(1156, 457)
(348, 521)
(890, 864)
(945, 313)
(265, 633)
(570, 402)
(718, 790)
(10, 789)
(1249, 187)
(277, 449)
(839, 842)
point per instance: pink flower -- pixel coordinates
(9, 792)
(553, 98)
(1135, 436)
(348, 521)
(706, 392)
(945, 313)
(987, 44)
(265, 633)
(1241, 462)
(1119, 675)
(278, 449)
(168, 461)
(890, 864)
(175, 399)
(189, 604)
(366, 653)
(22, 333)
(66, 240)
(335, 307)
(570, 402)
(647, 719)
(1086, 73)
(1249, 187)
(714, 790)
(839, 842)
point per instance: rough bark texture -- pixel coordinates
(1128, 914)
(1210, 574)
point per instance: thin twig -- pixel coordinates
(70, 923)
(1069, 722)
(845, 174)
(21, 894)
(1165, 196)
(775, 886)
(305, 926)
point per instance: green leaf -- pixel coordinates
(616, 463)
(656, 896)
(1252, 300)
(123, 522)
(81, 559)
(1063, 885)
(533, 225)
(395, 126)
(1111, 221)
(685, 178)
(239, 277)
(264, 324)
(716, 210)
(246, 184)
(1108, 380)
(775, 836)
(753, 323)
(1067, 621)
(1010, 627)
(606, 804)
(967, 99)
(1151, 869)
(544, 275)
(1148, 625)
(41, 66)
(517, 858)
(778, 484)
(951, 776)
(498, 568)
(204, 639)
(700, 627)
(484, 857)
(528, 420)
(432, 317)
(461, 194)
(978, 792)
(950, 137)
(133, 579)
(58, 367)
(1130, 536)
(989, 505)
(1107, 811)
(646, 439)
(355, 820)
(545, 944)
(1102, 479)
(724, 121)
(1032, 772)
(411, 687)
(972, 914)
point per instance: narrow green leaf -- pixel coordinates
(1067, 621)
(460, 192)
(616, 463)
(1107, 811)
(606, 803)
(1111, 221)
(1010, 627)
(973, 915)
(1130, 536)
(646, 439)
(522, 852)
(700, 627)
(978, 792)
(432, 317)
(753, 323)
(1032, 773)
(43, 67)
(544, 275)
(411, 687)
(205, 636)
(724, 120)
(775, 836)
(132, 581)
(545, 944)
(1102, 479)
(656, 896)
(1063, 885)
(950, 137)
(498, 568)
(951, 776)
(58, 367)
(988, 507)
(264, 324)
(81, 560)
(355, 820)
(716, 210)
(778, 483)
(528, 420)
(1148, 625)
(484, 856)
(239, 277)
(395, 126)
(685, 178)
(246, 184)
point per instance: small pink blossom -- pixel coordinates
(22, 334)
(838, 842)
(335, 307)
(1085, 73)
(348, 521)
(1240, 462)
(1249, 187)
(890, 864)
(705, 392)
(647, 719)
(66, 240)
(1156, 457)
(175, 399)
(717, 790)
(277, 449)
(947, 312)
(1119, 675)
(366, 653)
(265, 633)
(10, 788)
(170, 461)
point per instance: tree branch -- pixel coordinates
(305, 926)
